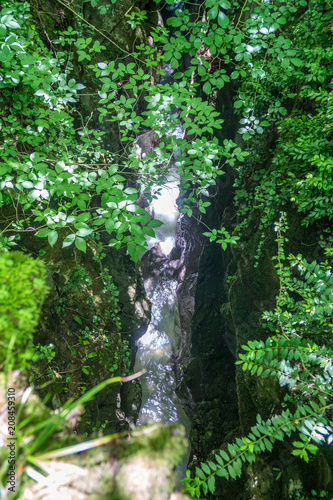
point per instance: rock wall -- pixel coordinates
(228, 298)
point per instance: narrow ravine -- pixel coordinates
(158, 347)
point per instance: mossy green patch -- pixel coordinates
(22, 292)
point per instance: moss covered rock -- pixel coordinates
(22, 292)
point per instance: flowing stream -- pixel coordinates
(158, 346)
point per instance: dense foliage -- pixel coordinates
(60, 180)
(60, 176)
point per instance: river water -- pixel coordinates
(157, 348)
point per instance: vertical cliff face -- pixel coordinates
(206, 374)
(209, 363)
(226, 293)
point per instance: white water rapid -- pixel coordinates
(158, 346)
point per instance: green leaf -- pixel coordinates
(27, 184)
(174, 21)
(148, 230)
(297, 62)
(204, 488)
(222, 473)
(109, 225)
(285, 63)
(224, 455)
(218, 40)
(199, 473)
(155, 223)
(174, 63)
(205, 468)
(68, 240)
(80, 244)
(225, 4)
(232, 471)
(52, 238)
(197, 43)
(9, 21)
(207, 87)
(212, 13)
(43, 232)
(211, 484)
(123, 227)
(92, 355)
(223, 20)
(132, 250)
(212, 465)
(84, 232)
